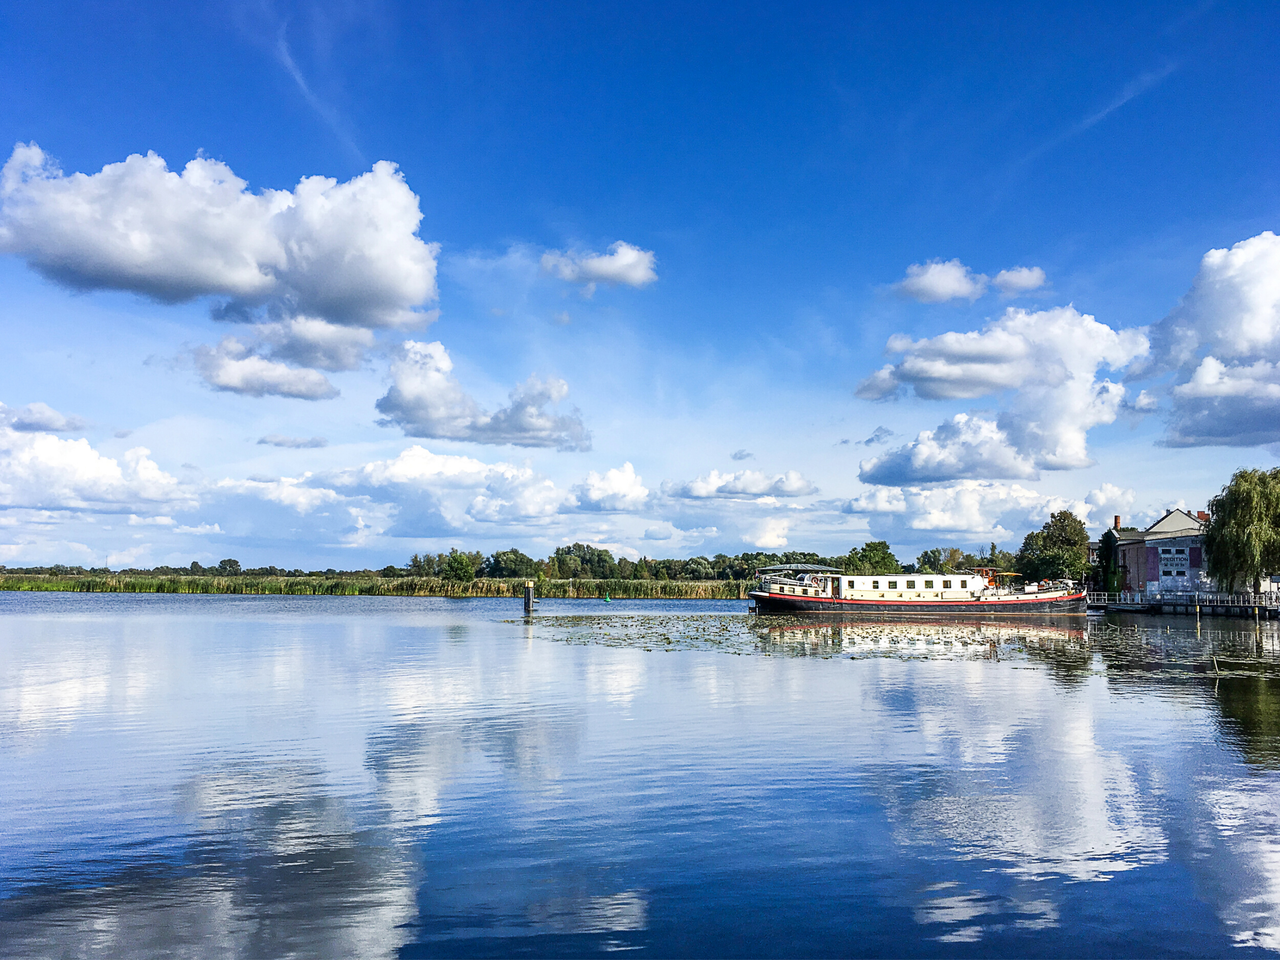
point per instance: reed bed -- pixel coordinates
(384, 587)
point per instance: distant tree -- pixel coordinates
(1057, 551)
(584, 560)
(1242, 537)
(877, 558)
(699, 568)
(509, 563)
(229, 568)
(459, 566)
(929, 561)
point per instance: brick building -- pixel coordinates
(1167, 557)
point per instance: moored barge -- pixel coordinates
(808, 588)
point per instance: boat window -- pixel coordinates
(928, 584)
(875, 584)
(946, 584)
(964, 584)
(893, 584)
(911, 584)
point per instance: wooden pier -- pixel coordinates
(1251, 606)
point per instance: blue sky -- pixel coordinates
(669, 279)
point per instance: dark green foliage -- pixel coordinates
(876, 557)
(1057, 551)
(460, 566)
(509, 563)
(1242, 537)
(228, 568)
(581, 560)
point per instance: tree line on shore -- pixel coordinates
(1057, 550)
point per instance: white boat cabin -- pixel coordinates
(892, 586)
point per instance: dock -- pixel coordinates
(1252, 606)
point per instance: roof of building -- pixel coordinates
(1175, 523)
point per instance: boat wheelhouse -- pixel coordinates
(810, 588)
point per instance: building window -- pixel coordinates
(1164, 551)
(893, 584)
(928, 584)
(946, 584)
(1182, 573)
(911, 584)
(1166, 573)
(1181, 551)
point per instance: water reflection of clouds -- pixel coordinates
(272, 866)
(1040, 797)
(614, 913)
(1247, 818)
(962, 909)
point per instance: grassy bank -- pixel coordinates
(383, 587)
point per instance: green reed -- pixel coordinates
(383, 587)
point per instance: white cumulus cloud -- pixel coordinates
(771, 534)
(345, 252)
(45, 471)
(616, 489)
(1223, 341)
(623, 264)
(315, 343)
(1235, 405)
(426, 401)
(938, 281)
(1017, 280)
(40, 417)
(744, 483)
(298, 493)
(461, 486)
(233, 367)
(1049, 359)
(963, 447)
(1232, 310)
(979, 508)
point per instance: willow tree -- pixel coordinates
(1242, 537)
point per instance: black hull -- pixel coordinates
(1012, 607)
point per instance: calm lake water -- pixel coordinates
(364, 777)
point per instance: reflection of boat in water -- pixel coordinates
(889, 631)
(807, 588)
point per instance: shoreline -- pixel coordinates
(381, 587)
